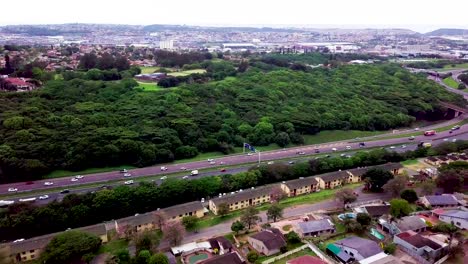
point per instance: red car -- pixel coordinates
(223, 170)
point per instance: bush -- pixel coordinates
(252, 256)
(409, 195)
(390, 248)
(293, 237)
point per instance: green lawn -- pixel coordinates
(451, 82)
(148, 87)
(113, 246)
(456, 66)
(65, 173)
(146, 70)
(185, 73)
(303, 252)
(337, 135)
(409, 162)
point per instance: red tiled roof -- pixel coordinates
(306, 260)
(18, 82)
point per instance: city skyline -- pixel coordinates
(343, 14)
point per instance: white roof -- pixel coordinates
(190, 246)
(374, 258)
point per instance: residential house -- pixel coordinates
(300, 186)
(420, 245)
(221, 245)
(437, 201)
(381, 258)
(15, 84)
(30, 249)
(315, 228)
(267, 242)
(359, 248)
(458, 218)
(229, 258)
(434, 161)
(242, 199)
(339, 254)
(411, 223)
(332, 180)
(374, 211)
(306, 260)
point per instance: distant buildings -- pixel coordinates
(166, 44)
(15, 84)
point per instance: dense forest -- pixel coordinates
(76, 210)
(76, 124)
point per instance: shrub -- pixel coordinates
(252, 256)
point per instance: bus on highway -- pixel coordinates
(430, 133)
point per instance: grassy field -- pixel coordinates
(456, 66)
(185, 73)
(146, 70)
(451, 82)
(337, 135)
(409, 162)
(113, 246)
(65, 173)
(148, 87)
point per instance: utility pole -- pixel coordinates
(259, 159)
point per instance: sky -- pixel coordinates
(419, 15)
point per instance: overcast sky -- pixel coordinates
(420, 15)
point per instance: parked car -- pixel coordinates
(392, 147)
(12, 189)
(454, 140)
(44, 197)
(65, 191)
(403, 146)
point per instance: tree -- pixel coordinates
(274, 211)
(452, 179)
(399, 208)
(390, 248)
(88, 61)
(189, 222)
(252, 256)
(395, 186)
(282, 139)
(450, 230)
(69, 246)
(376, 178)
(223, 209)
(363, 219)
(277, 194)
(237, 226)
(142, 257)
(146, 241)
(293, 237)
(345, 195)
(174, 232)
(250, 217)
(461, 86)
(409, 195)
(158, 258)
(159, 219)
(353, 226)
(427, 188)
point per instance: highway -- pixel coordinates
(461, 134)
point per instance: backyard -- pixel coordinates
(451, 82)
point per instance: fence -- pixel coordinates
(312, 247)
(352, 205)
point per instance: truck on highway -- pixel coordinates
(430, 133)
(194, 173)
(6, 203)
(25, 200)
(425, 144)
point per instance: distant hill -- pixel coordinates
(448, 32)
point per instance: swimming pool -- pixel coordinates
(376, 234)
(196, 258)
(347, 216)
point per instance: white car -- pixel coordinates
(185, 177)
(342, 155)
(79, 176)
(163, 177)
(127, 174)
(392, 147)
(403, 146)
(12, 189)
(270, 162)
(454, 140)
(334, 149)
(416, 129)
(249, 154)
(222, 162)
(183, 168)
(128, 182)
(348, 147)
(18, 240)
(74, 179)
(445, 139)
(44, 197)
(210, 160)
(163, 168)
(48, 183)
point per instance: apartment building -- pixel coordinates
(242, 199)
(300, 186)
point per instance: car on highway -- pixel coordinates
(317, 150)
(163, 178)
(455, 127)
(291, 162)
(445, 139)
(392, 147)
(411, 138)
(300, 153)
(210, 160)
(362, 144)
(454, 140)
(128, 182)
(334, 149)
(183, 168)
(348, 147)
(416, 129)
(403, 146)
(223, 170)
(163, 168)
(74, 179)
(44, 197)
(124, 171)
(249, 154)
(127, 174)
(65, 191)
(48, 183)
(222, 163)
(12, 189)
(342, 155)
(451, 131)
(18, 240)
(185, 177)
(270, 162)
(79, 176)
